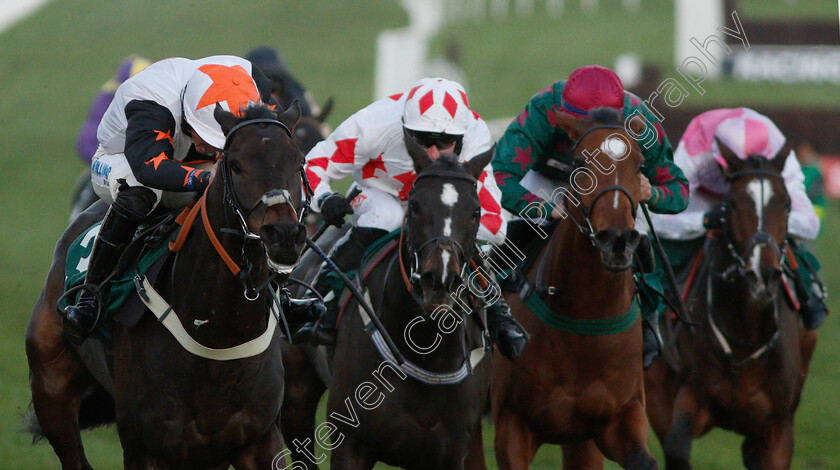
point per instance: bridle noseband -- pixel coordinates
(273, 197)
(270, 198)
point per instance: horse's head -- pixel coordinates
(441, 221)
(311, 129)
(605, 183)
(756, 210)
(261, 175)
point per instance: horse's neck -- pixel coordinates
(574, 268)
(206, 289)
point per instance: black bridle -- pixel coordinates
(462, 256)
(271, 198)
(585, 226)
(761, 237)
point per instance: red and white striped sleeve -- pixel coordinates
(335, 157)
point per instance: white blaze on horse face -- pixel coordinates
(760, 190)
(444, 257)
(615, 198)
(449, 196)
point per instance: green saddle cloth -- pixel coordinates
(121, 287)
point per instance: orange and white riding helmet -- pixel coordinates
(437, 105)
(229, 85)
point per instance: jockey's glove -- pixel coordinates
(334, 207)
(713, 219)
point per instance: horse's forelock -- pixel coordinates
(258, 110)
(610, 116)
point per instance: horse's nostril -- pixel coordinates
(300, 235)
(604, 240)
(771, 276)
(633, 238)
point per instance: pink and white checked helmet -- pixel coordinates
(437, 105)
(746, 133)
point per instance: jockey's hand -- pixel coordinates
(334, 207)
(202, 180)
(644, 188)
(713, 219)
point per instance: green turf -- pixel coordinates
(52, 64)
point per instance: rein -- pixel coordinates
(270, 198)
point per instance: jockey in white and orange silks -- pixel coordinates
(370, 146)
(747, 133)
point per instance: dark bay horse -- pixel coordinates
(425, 414)
(579, 381)
(744, 366)
(173, 408)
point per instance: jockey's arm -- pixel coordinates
(337, 156)
(493, 226)
(149, 150)
(669, 186)
(688, 224)
(803, 221)
(525, 139)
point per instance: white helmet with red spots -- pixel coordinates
(230, 85)
(437, 105)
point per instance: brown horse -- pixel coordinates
(173, 408)
(579, 381)
(744, 366)
(426, 413)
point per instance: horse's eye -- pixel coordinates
(413, 207)
(235, 166)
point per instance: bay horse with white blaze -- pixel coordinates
(743, 367)
(425, 413)
(218, 402)
(579, 382)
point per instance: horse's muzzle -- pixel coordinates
(283, 243)
(764, 288)
(617, 249)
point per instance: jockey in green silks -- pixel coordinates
(535, 155)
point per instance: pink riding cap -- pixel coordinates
(592, 87)
(743, 130)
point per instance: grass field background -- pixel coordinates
(52, 64)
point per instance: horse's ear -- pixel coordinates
(416, 152)
(778, 162)
(568, 123)
(732, 161)
(637, 125)
(478, 163)
(226, 119)
(291, 115)
(325, 110)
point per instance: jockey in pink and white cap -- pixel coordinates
(747, 133)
